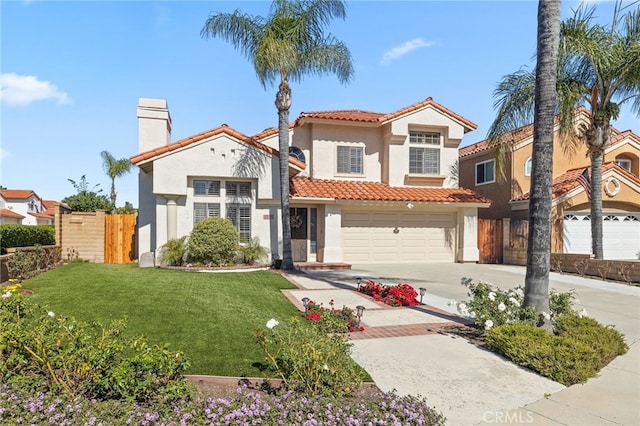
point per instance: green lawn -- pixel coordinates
(211, 317)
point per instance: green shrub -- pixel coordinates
(577, 353)
(12, 235)
(173, 252)
(252, 251)
(308, 360)
(213, 241)
(25, 264)
(44, 352)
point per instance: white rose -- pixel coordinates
(488, 324)
(6, 295)
(501, 307)
(272, 323)
(51, 314)
(492, 296)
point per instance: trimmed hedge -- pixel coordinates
(12, 235)
(579, 350)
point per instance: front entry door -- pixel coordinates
(298, 222)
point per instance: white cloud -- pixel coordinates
(4, 154)
(403, 49)
(24, 89)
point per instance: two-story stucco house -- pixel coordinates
(571, 227)
(365, 187)
(24, 207)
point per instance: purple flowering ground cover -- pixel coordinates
(19, 407)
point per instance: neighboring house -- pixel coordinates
(365, 187)
(25, 207)
(571, 228)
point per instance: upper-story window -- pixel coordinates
(350, 160)
(625, 163)
(424, 155)
(206, 187)
(527, 167)
(238, 189)
(297, 153)
(485, 172)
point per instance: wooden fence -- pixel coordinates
(119, 238)
(490, 240)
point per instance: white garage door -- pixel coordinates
(398, 236)
(620, 235)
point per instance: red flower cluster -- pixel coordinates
(398, 295)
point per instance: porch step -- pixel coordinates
(318, 265)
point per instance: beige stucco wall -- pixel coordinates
(83, 233)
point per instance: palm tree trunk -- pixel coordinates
(599, 138)
(596, 205)
(283, 103)
(113, 192)
(539, 240)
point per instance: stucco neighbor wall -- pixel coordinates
(84, 233)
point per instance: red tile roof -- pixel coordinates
(10, 213)
(20, 194)
(568, 180)
(43, 215)
(376, 117)
(525, 132)
(224, 129)
(303, 187)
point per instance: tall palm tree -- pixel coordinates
(598, 68)
(114, 168)
(539, 239)
(287, 44)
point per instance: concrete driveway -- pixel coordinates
(472, 386)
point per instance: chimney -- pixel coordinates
(154, 124)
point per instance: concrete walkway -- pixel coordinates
(408, 349)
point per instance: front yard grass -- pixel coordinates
(211, 317)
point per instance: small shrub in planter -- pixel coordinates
(579, 350)
(252, 252)
(173, 252)
(213, 241)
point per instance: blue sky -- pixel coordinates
(72, 73)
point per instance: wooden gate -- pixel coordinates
(119, 238)
(490, 240)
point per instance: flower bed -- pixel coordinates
(332, 320)
(397, 295)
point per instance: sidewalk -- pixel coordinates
(406, 349)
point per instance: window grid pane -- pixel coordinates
(350, 159)
(238, 189)
(430, 138)
(202, 211)
(240, 216)
(424, 161)
(206, 187)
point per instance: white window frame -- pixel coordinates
(240, 215)
(620, 161)
(210, 210)
(210, 187)
(424, 144)
(485, 182)
(527, 166)
(353, 164)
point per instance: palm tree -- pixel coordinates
(287, 44)
(114, 169)
(598, 68)
(539, 239)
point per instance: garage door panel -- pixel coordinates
(398, 237)
(620, 235)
